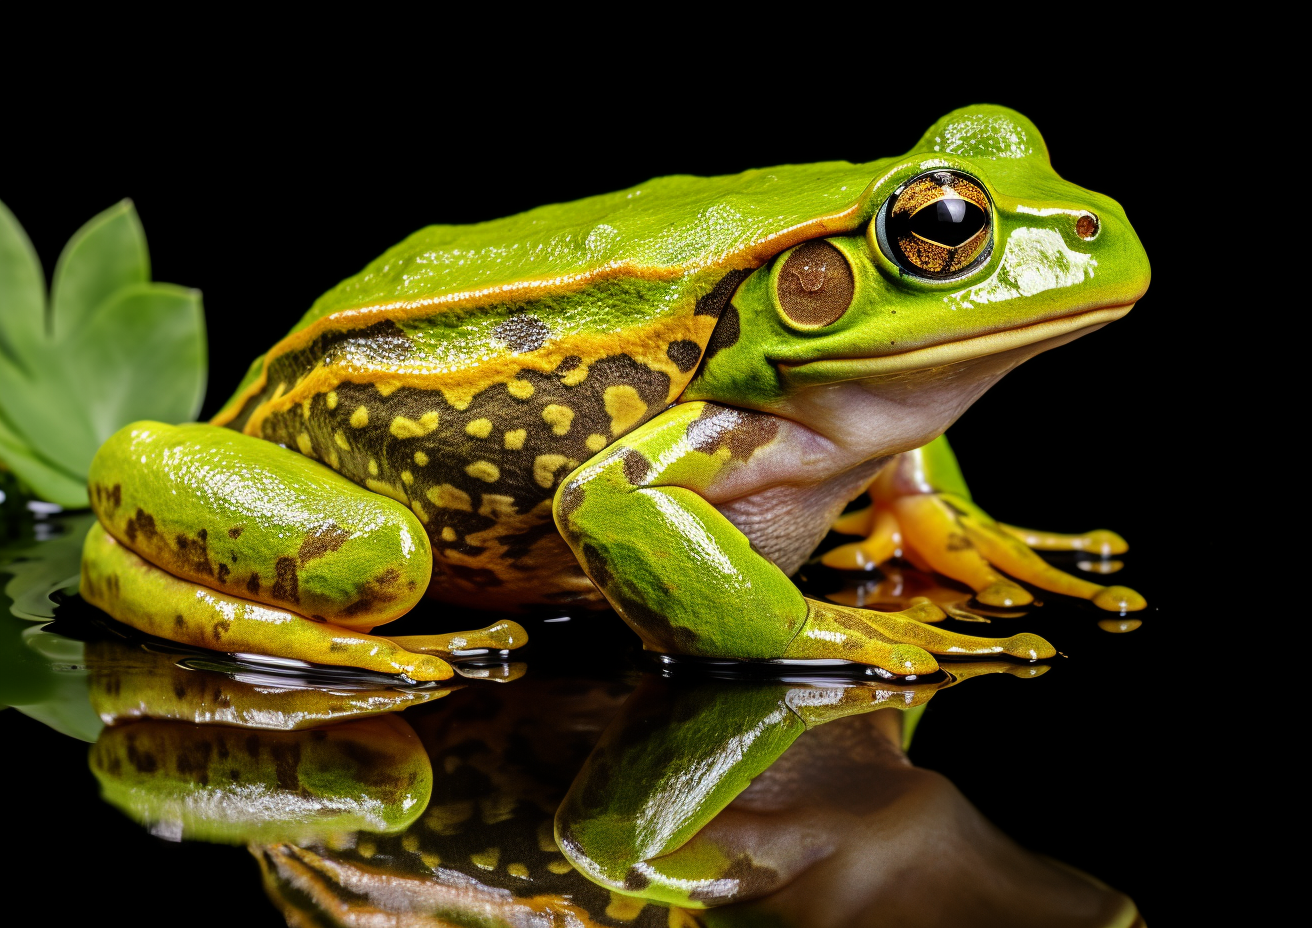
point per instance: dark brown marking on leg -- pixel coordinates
(223, 573)
(253, 584)
(740, 431)
(636, 466)
(286, 586)
(321, 541)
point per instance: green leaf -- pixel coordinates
(115, 348)
(44, 479)
(142, 357)
(104, 256)
(22, 293)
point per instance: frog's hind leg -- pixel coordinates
(688, 581)
(921, 503)
(137, 593)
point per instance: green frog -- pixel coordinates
(658, 400)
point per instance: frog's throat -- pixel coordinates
(833, 370)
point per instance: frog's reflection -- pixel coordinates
(647, 801)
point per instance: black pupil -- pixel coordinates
(948, 222)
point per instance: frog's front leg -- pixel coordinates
(688, 581)
(923, 510)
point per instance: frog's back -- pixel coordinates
(469, 369)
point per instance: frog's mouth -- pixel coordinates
(832, 370)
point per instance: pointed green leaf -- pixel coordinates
(142, 356)
(22, 292)
(104, 256)
(45, 479)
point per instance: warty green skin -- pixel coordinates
(625, 365)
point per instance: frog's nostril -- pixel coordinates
(1086, 227)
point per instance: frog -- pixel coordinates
(657, 400)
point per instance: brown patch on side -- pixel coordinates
(286, 586)
(235, 532)
(685, 354)
(253, 584)
(323, 540)
(740, 431)
(223, 573)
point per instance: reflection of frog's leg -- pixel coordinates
(149, 599)
(689, 582)
(922, 502)
(128, 682)
(213, 783)
(686, 752)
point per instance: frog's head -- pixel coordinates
(970, 247)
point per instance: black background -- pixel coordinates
(266, 196)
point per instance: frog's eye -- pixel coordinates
(938, 224)
(815, 284)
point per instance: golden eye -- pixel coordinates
(939, 224)
(815, 284)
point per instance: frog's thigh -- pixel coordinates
(687, 581)
(151, 600)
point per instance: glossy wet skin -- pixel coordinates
(658, 399)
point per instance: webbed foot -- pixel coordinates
(899, 642)
(944, 531)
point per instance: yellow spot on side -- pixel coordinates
(448, 533)
(431, 861)
(331, 399)
(518, 870)
(303, 442)
(486, 860)
(340, 437)
(373, 468)
(387, 490)
(409, 428)
(366, 849)
(407, 478)
(545, 467)
(560, 866)
(496, 506)
(359, 418)
(411, 842)
(546, 837)
(479, 428)
(305, 406)
(333, 460)
(624, 908)
(387, 387)
(625, 407)
(418, 507)
(520, 389)
(421, 459)
(515, 439)
(596, 442)
(576, 376)
(485, 471)
(558, 417)
(449, 497)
